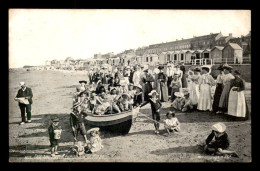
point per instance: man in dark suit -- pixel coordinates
(25, 92)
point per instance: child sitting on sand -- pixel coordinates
(182, 102)
(95, 142)
(221, 142)
(54, 139)
(171, 124)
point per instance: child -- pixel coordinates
(221, 142)
(155, 106)
(79, 148)
(171, 123)
(187, 103)
(77, 122)
(95, 142)
(179, 102)
(124, 102)
(54, 140)
(175, 86)
(115, 98)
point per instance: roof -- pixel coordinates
(207, 50)
(200, 51)
(218, 47)
(235, 46)
(184, 51)
(222, 38)
(177, 51)
(170, 52)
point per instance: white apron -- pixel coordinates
(236, 103)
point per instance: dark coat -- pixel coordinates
(26, 93)
(220, 142)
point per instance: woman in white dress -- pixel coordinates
(178, 72)
(236, 101)
(206, 81)
(194, 86)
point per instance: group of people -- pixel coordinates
(125, 88)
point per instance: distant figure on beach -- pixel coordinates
(25, 105)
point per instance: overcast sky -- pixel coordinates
(37, 35)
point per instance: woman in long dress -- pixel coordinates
(218, 90)
(205, 81)
(184, 77)
(194, 90)
(223, 102)
(236, 101)
(178, 72)
(161, 85)
(147, 79)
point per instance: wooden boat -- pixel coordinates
(117, 123)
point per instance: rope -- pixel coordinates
(198, 132)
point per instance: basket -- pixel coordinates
(57, 134)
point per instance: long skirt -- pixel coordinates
(236, 103)
(147, 89)
(162, 90)
(217, 96)
(223, 102)
(194, 93)
(184, 81)
(204, 102)
(168, 85)
(173, 97)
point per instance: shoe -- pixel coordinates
(56, 153)
(21, 123)
(53, 155)
(29, 121)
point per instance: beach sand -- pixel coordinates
(53, 91)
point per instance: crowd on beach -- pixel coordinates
(126, 88)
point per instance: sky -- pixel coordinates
(37, 35)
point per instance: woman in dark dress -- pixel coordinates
(161, 85)
(184, 76)
(155, 106)
(147, 79)
(218, 90)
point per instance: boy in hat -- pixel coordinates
(53, 139)
(138, 97)
(187, 102)
(171, 124)
(155, 106)
(77, 122)
(179, 102)
(220, 143)
(95, 142)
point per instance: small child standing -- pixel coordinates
(95, 142)
(172, 123)
(54, 135)
(221, 142)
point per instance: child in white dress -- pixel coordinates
(171, 124)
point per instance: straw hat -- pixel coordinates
(83, 81)
(219, 127)
(196, 69)
(226, 66)
(151, 93)
(93, 130)
(55, 119)
(22, 83)
(178, 94)
(205, 68)
(139, 86)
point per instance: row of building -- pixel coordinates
(207, 49)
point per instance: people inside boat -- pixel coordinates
(100, 87)
(125, 102)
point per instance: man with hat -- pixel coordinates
(26, 93)
(161, 85)
(227, 78)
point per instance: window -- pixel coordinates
(168, 57)
(181, 57)
(175, 57)
(151, 59)
(147, 59)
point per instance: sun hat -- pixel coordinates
(83, 81)
(196, 69)
(151, 93)
(178, 94)
(237, 72)
(205, 68)
(160, 67)
(56, 119)
(219, 127)
(226, 66)
(220, 68)
(93, 130)
(139, 86)
(22, 83)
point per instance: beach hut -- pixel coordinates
(233, 52)
(162, 58)
(216, 54)
(169, 57)
(176, 56)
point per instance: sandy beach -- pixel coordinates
(53, 91)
